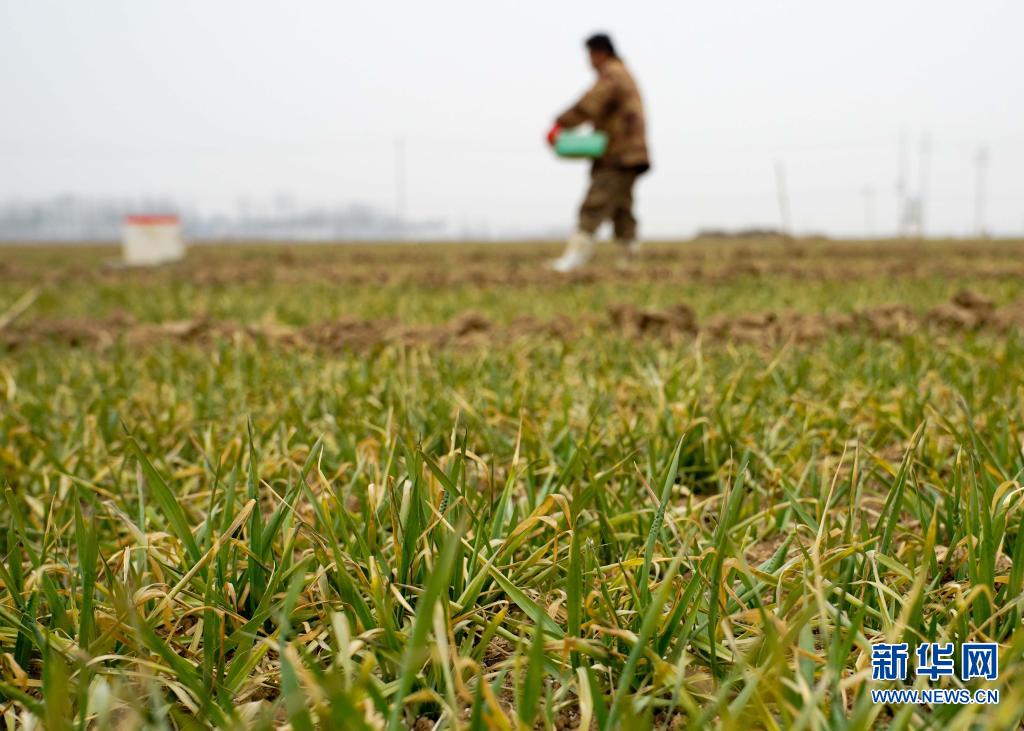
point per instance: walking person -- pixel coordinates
(613, 106)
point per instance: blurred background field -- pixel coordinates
(429, 283)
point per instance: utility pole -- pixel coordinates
(922, 185)
(902, 208)
(869, 211)
(980, 173)
(780, 185)
(400, 185)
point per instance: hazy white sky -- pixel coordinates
(209, 101)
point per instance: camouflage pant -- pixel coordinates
(610, 197)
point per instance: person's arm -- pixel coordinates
(590, 106)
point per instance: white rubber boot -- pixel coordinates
(578, 251)
(632, 248)
(630, 251)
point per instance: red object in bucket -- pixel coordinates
(553, 133)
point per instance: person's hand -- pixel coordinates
(553, 133)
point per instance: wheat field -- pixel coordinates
(435, 486)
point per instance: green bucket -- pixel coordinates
(581, 144)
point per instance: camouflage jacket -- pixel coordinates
(613, 106)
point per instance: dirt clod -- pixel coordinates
(970, 300)
(470, 322)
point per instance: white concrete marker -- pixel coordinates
(151, 239)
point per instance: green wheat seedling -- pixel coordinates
(540, 532)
